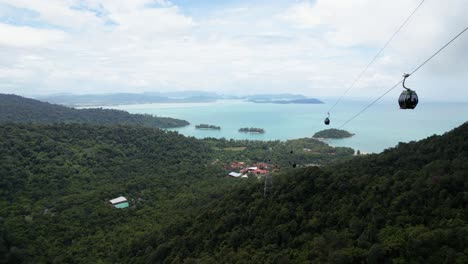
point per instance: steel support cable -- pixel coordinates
(377, 55)
(415, 70)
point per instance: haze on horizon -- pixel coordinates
(315, 48)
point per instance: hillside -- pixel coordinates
(333, 133)
(406, 205)
(15, 108)
(56, 181)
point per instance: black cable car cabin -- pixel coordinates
(327, 120)
(408, 98)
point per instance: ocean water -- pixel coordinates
(380, 127)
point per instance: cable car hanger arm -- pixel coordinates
(406, 75)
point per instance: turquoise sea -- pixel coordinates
(380, 127)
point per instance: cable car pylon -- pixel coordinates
(268, 185)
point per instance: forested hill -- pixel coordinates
(406, 205)
(56, 181)
(333, 133)
(15, 108)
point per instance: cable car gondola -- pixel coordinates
(327, 119)
(408, 98)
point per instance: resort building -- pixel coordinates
(261, 165)
(235, 174)
(259, 171)
(235, 165)
(120, 202)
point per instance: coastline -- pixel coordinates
(163, 105)
(251, 132)
(205, 128)
(373, 133)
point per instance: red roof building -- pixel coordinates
(259, 171)
(261, 165)
(235, 165)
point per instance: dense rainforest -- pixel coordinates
(15, 108)
(406, 205)
(56, 181)
(302, 152)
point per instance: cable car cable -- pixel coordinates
(369, 105)
(378, 54)
(401, 81)
(435, 54)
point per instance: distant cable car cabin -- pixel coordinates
(327, 119)
(408, 98)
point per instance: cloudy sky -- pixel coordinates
(315, 48)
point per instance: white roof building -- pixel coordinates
(120, 199)
(252, 168)
(235, 174)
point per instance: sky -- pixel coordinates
(316, 48)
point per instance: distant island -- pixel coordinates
(109, 99)
(280, 96)
(206, 126)
(292, 101)
(333, 133)
(131, 98)
(252, 130)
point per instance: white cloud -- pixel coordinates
(303, 15)
(348, 23)
(152, 20)
(365, 24)
(15, 36)
(316, 48)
